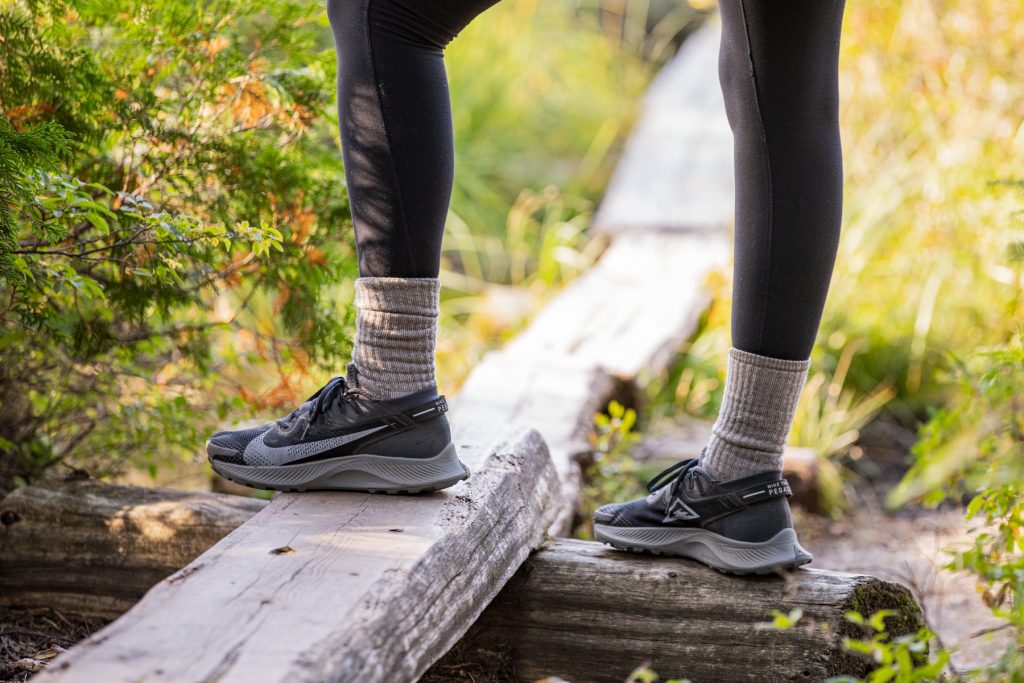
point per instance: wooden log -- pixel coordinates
(558, 400)
(676, 172)
(335, 586)
(94, 548)
(585, 613)
(631, 312)
(618, 324)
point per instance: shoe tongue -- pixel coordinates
(290, 417)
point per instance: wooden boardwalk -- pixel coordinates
(354, 587)
(677, 173)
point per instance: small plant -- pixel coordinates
(977, 442)
(782, 621)
(904, 659)
(645, 674)
(611, 477)
(997, 561)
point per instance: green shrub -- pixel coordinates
(152, 157)
(175, 239)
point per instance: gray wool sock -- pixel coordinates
(761, 395)
(396, 327)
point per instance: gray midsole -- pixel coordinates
(358, 472)
(781, 550)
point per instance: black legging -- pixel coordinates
(778, 71)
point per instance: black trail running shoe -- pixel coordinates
(342, 439)
(741, 526)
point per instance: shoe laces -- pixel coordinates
(665, 484)
(336, 389)
(670, 475)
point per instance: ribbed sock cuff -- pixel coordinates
(396, 329)
(760, 400)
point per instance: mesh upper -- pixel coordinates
(238, 439)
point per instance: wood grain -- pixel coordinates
(616, 326)
(336, 586)
(586, 613)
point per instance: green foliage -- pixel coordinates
(782, 621)
(974, 447)
(645, 674)
(37, 149)
(977, 442)
(174, 232)
(930, 100)
(997, 561)
(151, 162)
(897, 660)
(519, 75)
(611, 477)
(904, 659)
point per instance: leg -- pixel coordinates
(778, 71)
(396, 128)
(383, 428)
(396, 134)
(778, 68)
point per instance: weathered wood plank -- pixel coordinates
(629, 314)
(335, 586)
(582, 612)
(93, 548)
(624, 319)
(677, 168)
(557, 399)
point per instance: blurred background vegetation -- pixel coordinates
(176, 248)
(175, 240)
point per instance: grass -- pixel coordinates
(933, 129)
(542, 100)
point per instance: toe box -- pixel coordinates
(634, 513)
(228, 446)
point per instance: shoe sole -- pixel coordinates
(782, 551)
(358, 472)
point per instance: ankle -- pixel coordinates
(761, 395)
(396, 329)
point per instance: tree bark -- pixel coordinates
(585, 613)
(94, 548)
(336, 586)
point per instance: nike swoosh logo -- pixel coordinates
(259, 453)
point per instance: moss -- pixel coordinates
(869, 597)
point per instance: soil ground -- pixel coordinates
(911, 549)
(31, 637)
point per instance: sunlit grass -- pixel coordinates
(932, 125)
